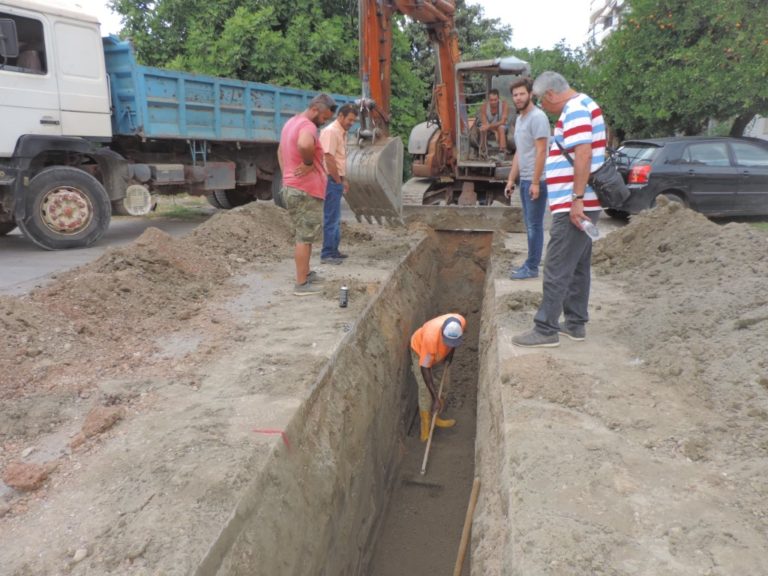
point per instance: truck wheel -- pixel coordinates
(213, 200)
(229, 199)
(6, 227)
(277, 186)
(66, 208)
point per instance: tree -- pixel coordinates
(572, 63)
(479, 38)
(306, 44)
(674, 65)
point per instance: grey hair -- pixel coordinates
(549, 80)
(323, 102)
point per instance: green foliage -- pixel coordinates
(479, 38)
(762, 226)
(673, 65)
(572, 63)
(310, 44)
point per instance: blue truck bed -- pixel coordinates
(157, 103)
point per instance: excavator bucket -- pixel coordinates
(375, 175)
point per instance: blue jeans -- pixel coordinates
(533, 214)
(332, 219)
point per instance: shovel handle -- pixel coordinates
(432, 426)
(467, 527)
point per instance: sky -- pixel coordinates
(535, 23)
(541, 23)
(110, 22)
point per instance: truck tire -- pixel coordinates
(277, 186)
(66, 208)
(228, 199)
(213, 200)
(7, 227)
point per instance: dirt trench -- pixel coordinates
(261, 437)
(236, 429)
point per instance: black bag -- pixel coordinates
(606, 181)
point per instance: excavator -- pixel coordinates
(451, 162)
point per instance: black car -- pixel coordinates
(715, 176)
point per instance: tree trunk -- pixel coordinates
(741, 122)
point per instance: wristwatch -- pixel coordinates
(577, 197)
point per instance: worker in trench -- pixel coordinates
(434, 343)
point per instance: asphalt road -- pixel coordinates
(24, 266)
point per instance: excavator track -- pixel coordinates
(414, 190)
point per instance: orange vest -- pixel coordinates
(427, 341)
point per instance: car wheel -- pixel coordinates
(672, 197)
(66, 208)
(617, 214)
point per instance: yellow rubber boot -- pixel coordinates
(444, 423)
(425, 423)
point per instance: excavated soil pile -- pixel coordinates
(702, 312)
(642, 449)
(76, 324)
(97, 344)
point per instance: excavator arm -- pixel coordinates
(376, 57)
(374, 165)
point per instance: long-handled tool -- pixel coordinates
(467, 527)
(432, 426)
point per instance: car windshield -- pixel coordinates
(631, 154)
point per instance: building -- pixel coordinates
(604, 18)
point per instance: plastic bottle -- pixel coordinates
(590, 229)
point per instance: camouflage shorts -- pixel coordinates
(306, 213)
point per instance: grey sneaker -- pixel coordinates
(576, 333)
(534, 339)
(305, 289)
(315, 278)
(331, 260)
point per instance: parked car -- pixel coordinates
(716, 176)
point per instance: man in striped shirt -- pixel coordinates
(580, 131)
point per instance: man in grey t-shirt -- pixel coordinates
(531, 140)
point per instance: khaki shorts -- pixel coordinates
(306, 214)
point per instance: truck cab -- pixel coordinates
(55, 109)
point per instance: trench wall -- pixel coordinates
(314, 507)
(490, 536)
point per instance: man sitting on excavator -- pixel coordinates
(494, 117)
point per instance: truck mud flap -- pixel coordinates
(375, 175)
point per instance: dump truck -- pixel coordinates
(450, 162)
(88, 132)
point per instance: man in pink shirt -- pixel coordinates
(300, 155)
(334, 140)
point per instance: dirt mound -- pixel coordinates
(701, 321)
(101, 314)
(673, 236)
(355, 233)
(256, 231)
